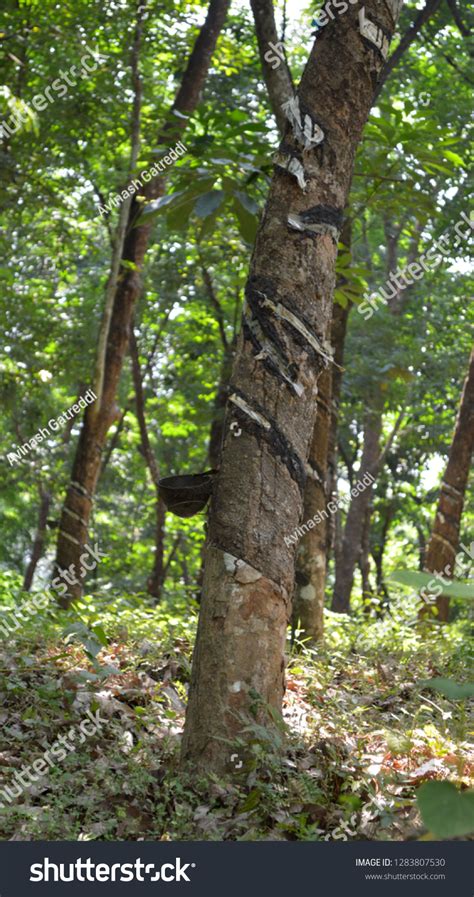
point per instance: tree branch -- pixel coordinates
(466, 32)
(176, 544)
(115, 439)
(410, 34)
(215, 302)
(390, 439)
(448, 59)
(277, 77)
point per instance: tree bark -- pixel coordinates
(99, 417)
(443, 544)
(238, 665)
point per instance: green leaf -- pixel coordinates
(178, 216)
(91, 647)
(453, 690)
(248, 202)
(100, 635)
(453, 157)
(175, 200)
(209, 202)
(109, 670)
(208, 226)
(251, 801)
(445, 811)
(157, 205)
(247, 221)
(85, 676)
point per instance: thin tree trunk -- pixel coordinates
(356, 514)
(220, 402)
(378, 553)
(172, 553)
(371, 463)
(443, 544)
(100, 416)
(124, 218)
(114, 441)
(364, 562)
(421, 547)
(156, 578)
(373, 430)
(334, 530)
(217, 425)
(38, 544)
(46, 498)
(238, 665)
(184, 568)
(311, 557)
(338, 338)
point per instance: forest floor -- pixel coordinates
(362, 730)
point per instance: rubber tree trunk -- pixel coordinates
(443, 543)
(238, 664)
(358, 509)
(98, 418)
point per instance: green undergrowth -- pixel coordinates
(361, 729)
